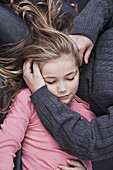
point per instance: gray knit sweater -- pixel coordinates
(76, 136)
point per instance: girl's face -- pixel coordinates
(61, 77)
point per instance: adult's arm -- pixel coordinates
(94, 18)
(89, 141)
(12, 27)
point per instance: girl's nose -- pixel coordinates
(61, 87)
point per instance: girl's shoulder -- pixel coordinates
(23, 100)
(24, 93)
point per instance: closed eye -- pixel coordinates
(50, 82)
(70, 79)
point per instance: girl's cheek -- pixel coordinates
(52, 89)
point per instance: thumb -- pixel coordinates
(81, 55)
(72, 162)
(87, 55)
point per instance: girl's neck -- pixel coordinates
(73, 100)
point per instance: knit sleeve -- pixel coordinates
(13, 130)
(86, 140)
(93, 19)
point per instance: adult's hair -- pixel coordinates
(44, 42)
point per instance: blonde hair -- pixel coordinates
(44, 43)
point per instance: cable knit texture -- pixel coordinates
(76, 136)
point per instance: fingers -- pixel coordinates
(61, 167)
(76, 164)
(81, 55)
(27, 65)
(36, 70)
(73, 165)
(30, 67)
(84, 45)
(33, 77)
(72, 162)
(87, 54)
(27, 68)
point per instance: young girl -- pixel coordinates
(55, 54)
(95, 87)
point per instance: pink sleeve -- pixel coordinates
(13, 129)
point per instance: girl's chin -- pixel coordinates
(65, 101)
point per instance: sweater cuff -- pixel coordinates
(41, 94)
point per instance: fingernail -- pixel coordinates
(60, 166)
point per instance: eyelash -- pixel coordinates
(71, 79)
(50, 82)
(55, 81)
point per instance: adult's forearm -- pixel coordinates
(94, 17)
(12, 28)
(88, 141)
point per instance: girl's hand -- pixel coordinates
(85, 46)
(74, 165)
(32, 76)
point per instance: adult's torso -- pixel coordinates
(96, 82)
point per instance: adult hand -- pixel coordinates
(85, 46)
(32, 76)
(74, 165)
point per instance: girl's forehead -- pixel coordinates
(59, 67)
(64, 60)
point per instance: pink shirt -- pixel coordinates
(40, 150)
(83, 108)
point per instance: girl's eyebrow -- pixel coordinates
(71, 73)
(52, 77)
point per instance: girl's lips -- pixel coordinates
(64, 97)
